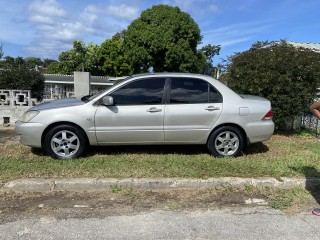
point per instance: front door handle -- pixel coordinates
(154, 109)
(212, 108)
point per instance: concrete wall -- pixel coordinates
(13, 103)
(10, 114)
(81, 84)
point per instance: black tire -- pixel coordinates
(65, 141)
(226, 141)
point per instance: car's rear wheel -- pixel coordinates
(226, 141)
(65, 141)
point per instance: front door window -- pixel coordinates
(137, 115)
(140, 92)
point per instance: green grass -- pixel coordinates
(281, 156)
(291, 200)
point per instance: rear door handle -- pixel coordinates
(154, 109)
(212, 108)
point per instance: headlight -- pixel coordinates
(27, 116)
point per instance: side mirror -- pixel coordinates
(107, 101)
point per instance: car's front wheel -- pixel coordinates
(65, 141)
(226, 141)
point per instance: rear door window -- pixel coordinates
(193, 90)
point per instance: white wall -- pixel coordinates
(13, 103)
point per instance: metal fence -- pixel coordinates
(310, 123)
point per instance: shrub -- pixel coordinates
(23, 79)
(287, 76)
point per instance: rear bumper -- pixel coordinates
(260, 131)
(30, 133)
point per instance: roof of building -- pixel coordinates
(312, 46)
(69, 79)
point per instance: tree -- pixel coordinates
(112, 58)
(91, 63)
(9, 62)
(50, 66)
(165, 39)
(209, 52)
(74, 59)
(1, 51)
(53, 68)
(79, 58)
(260, 44)
(286, 75)
(33, 62)
(47, 62)
(23, 79)
(19, 62)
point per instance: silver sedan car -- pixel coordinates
(159, 108)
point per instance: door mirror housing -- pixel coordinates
(107, 101)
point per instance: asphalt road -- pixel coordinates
(227, 223)
(180, 214)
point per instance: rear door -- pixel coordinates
(193, 107)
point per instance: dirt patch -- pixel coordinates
(8, 136)
(84, 205)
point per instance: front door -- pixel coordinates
(137, 115)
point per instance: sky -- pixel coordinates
(45, 28)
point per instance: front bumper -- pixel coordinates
(30, 133)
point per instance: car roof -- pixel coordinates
(168, 74)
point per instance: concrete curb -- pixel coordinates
(107, 184)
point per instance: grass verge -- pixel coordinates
(281, 156)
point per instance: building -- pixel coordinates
(63, 86)
(313, 46)
(14, 102)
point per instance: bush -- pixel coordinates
(287, 76)
(23, 79)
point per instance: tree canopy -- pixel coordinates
(286, 75)
(165, 39)
(1, 51)
(12, 63)
(112, 58)
(73, 59)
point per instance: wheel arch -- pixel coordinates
(246, 139)
(47, 129)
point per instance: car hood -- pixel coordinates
(60, 103)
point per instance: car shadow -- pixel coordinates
(312, 176)
(39, 152)
(137, 149)
(156, 149)
(148, 149)
(167, 149)
(256, 148)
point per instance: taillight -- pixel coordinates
(268, 116)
